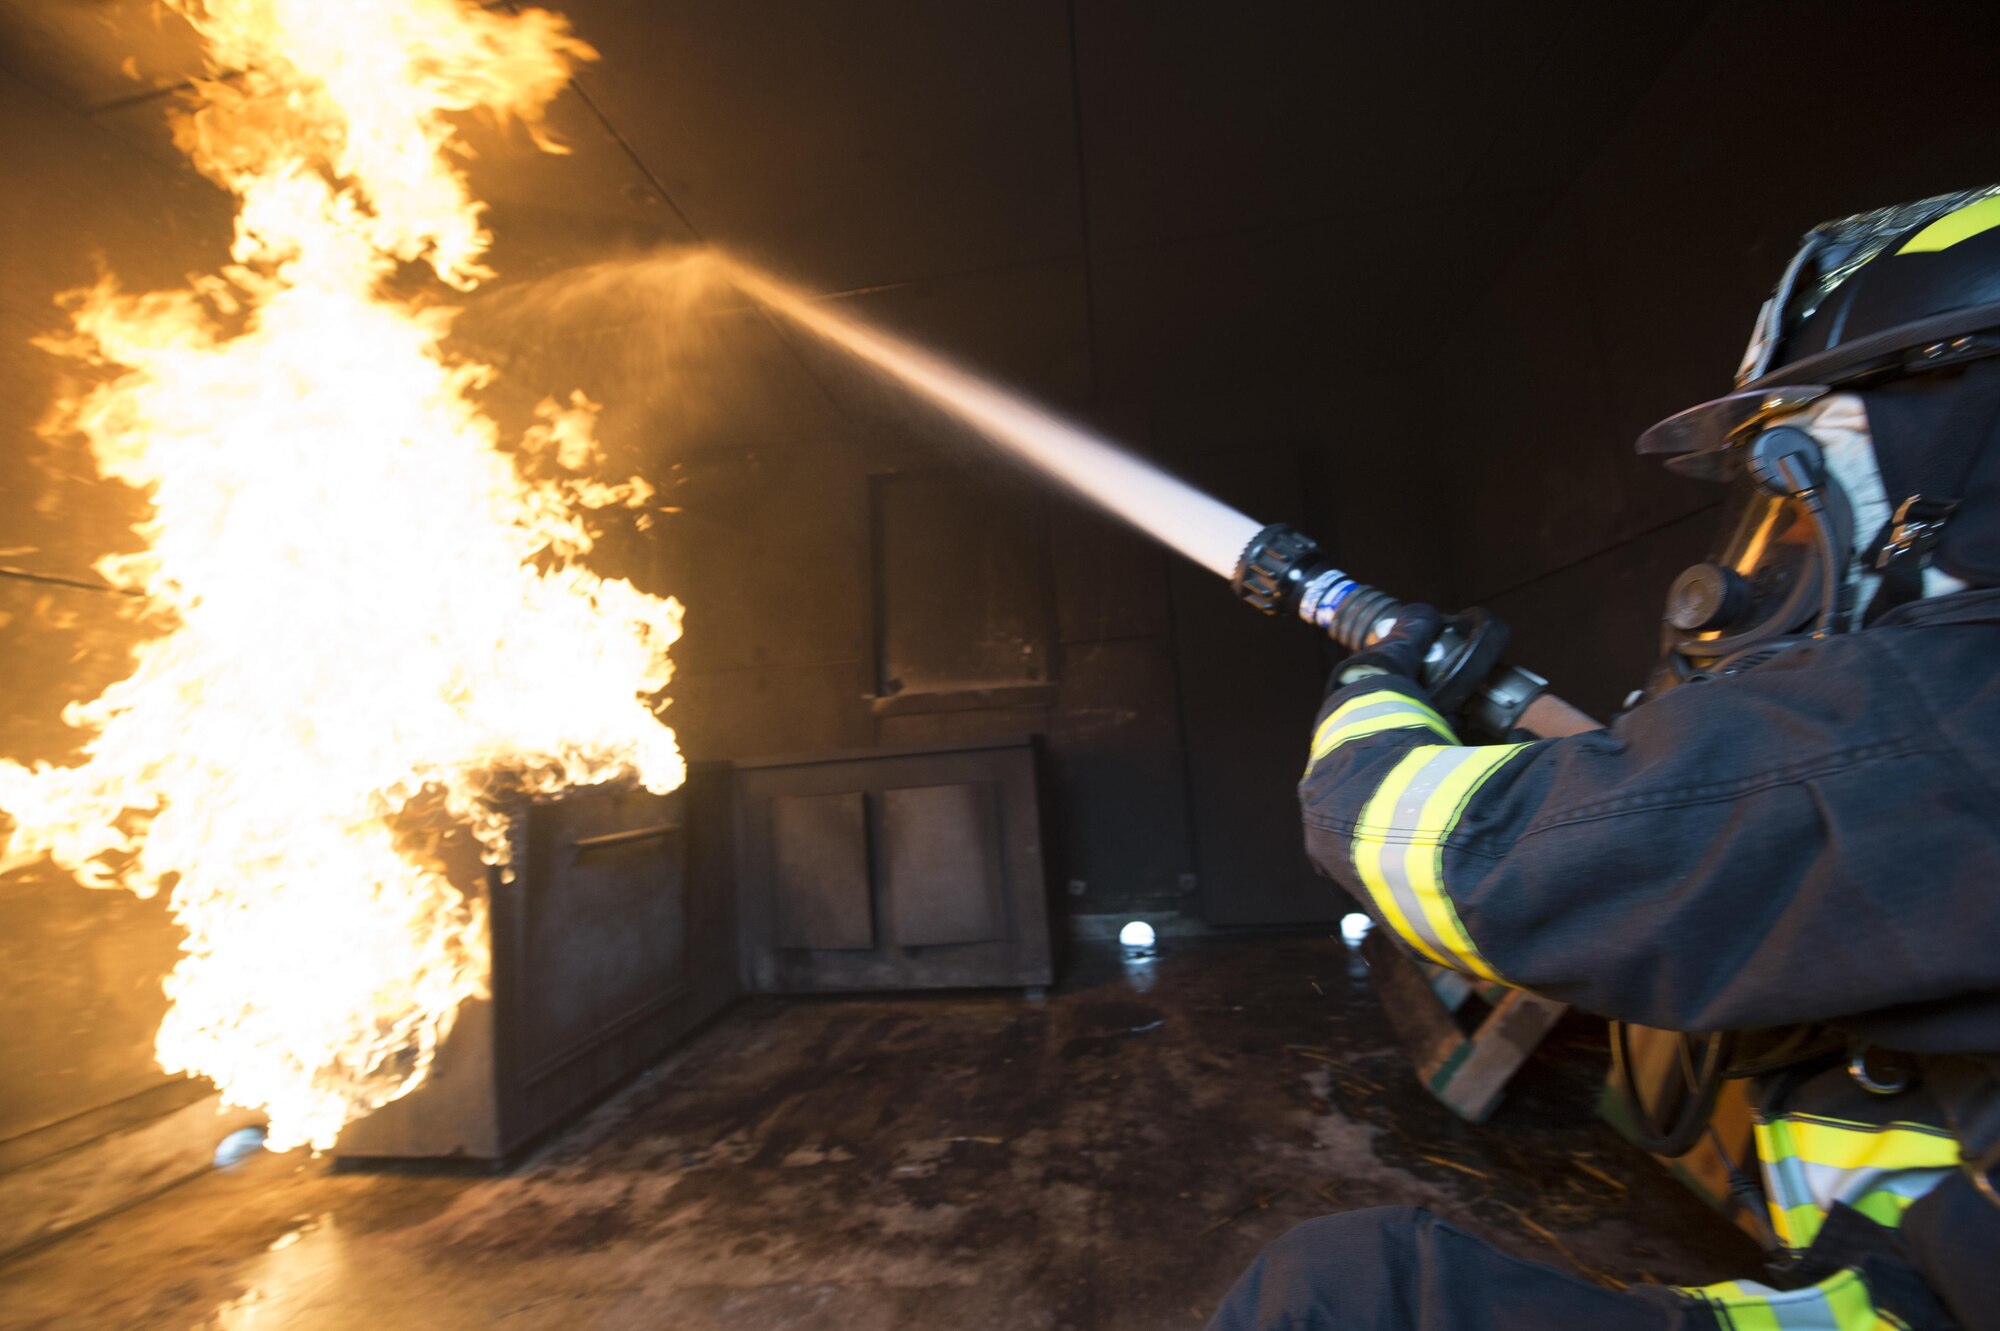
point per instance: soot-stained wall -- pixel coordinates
(82, 969)
(1411, 279)
(1231, 242)
(1634, 295)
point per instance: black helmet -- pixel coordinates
(1902, 306)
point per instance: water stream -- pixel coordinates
(1204, 529)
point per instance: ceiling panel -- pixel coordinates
(1202, 118)
(1281, 194)
(88, 53)
(1595, 73)
(1665, 191)
(854, 144)
(549, 211)
(1282, 320)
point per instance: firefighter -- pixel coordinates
(1795, 836)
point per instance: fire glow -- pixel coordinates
(362, 600)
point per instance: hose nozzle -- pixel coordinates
(1282, 571)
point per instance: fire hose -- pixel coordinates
(1282, 571)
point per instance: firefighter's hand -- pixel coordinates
(1399, 651)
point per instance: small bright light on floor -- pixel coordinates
(1355, 927)
(238, 1146)
(1138, 935)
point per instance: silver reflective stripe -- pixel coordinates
(1746, 1304)
(1833, 1183)
(1389, 706)
(1793, 1313)
(1352, 721)
(1909, 1183)
(1396, 857)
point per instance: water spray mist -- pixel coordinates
(1275, 568)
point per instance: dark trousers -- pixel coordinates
(1400, 1268)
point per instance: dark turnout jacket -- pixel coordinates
(1815, 840)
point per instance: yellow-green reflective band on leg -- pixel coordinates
(1398, 847)
(1794, 1214)
(1837, 1144)
(1371, 714)
(1879, 1169)
(1839, 1303)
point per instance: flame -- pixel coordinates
(363, 601)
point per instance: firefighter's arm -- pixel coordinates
(1689, 868)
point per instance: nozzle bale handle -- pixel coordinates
(1282, 570)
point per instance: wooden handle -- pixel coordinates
(657, 831)
(1549, 717)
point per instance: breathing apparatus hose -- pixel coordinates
(1701, 1061)
(1701, 1084)
(1787, 463)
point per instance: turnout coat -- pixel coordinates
(1813, 841)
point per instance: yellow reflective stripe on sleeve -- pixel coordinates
(1398, 847)
(1948, 230)
(1370, 851)
(1372, 713)
(1841, 1302)
(1879, 1169)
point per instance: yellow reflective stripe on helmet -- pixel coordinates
(1841, 1302)
(1879, 1169)
(1398, 847)
(1372, 713)
(1953, 227)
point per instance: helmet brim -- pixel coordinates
(1696, 440)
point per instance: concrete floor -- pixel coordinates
(1109, 1158)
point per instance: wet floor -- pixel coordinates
(1106, 1159)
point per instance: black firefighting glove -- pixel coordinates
(1399, 651)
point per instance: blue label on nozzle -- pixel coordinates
(1323, 598)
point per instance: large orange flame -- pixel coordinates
(363, 598)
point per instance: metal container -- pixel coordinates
(613, 891)
(919, 867)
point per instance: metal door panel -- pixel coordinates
(819, 872)
(941, 871)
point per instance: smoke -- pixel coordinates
(648, 317)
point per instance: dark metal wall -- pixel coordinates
(82, 969)
(1224, 237)
(1633, 298)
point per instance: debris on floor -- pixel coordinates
(1102, 1161)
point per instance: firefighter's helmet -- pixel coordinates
(1862, 440)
